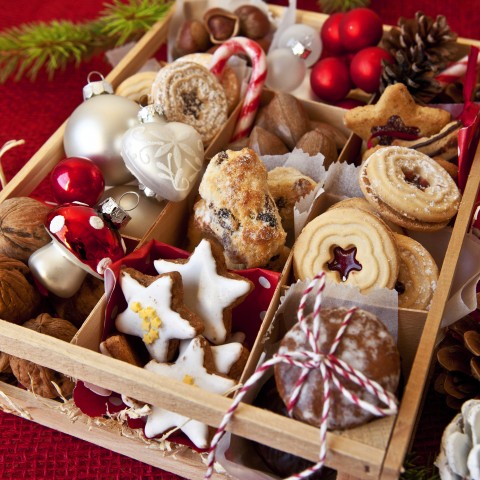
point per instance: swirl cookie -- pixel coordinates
(418, 274)
(189, 93)
(356, 249)
(366, 340)
(409, 188)
(137, 87)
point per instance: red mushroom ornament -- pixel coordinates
(84, 240)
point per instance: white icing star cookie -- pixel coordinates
(194, 366)
(209, 289)
(156, 312)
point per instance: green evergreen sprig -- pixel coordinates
(28, 48)
(333, 6)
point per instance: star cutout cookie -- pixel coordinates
(396, 100)
(209, 289)
(195, 366)
(156, 312)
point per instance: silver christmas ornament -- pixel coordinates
(95, 130)
(166, 158)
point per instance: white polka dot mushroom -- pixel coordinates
(82, 242)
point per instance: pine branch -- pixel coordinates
(332, 6)
(414, 471)
(29, 48)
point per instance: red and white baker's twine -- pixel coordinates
(259, 74)
(455, 71)
(330, 367)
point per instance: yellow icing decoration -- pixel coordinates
(150, 337)
(150, 321)
(188, 379)
(155, 322)
(135, 306)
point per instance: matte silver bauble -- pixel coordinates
(95, 130)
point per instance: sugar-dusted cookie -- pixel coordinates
(397, 102)
(188, 93)
(209, 289)
(238, 211)
(409, 188)
(156, 312)
(195, 366)
(366, 346)
(358, 249)
(418, 274)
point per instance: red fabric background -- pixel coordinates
(33, 111)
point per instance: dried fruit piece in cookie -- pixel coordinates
(418, 274)
(156, 312)
(195, 366)
(209, 289)
(396, 101)
(358, 249)
(409, 188)
(366, 346)
(238, 211)
(188, 93)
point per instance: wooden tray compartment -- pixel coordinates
(376, 453)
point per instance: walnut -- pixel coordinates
(19, 299)
(36, 378)
(21, 227)
(77, 308)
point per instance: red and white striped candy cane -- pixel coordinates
(259, 74)
(454, 72)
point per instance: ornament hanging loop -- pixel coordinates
(97, 87)
(134, 204)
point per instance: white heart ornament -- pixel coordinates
(165, 158)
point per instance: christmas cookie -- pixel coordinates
(238, 211)
(188, 93)
(156, 312)
(117, 346)
(195, 366)
(137, 87)
(358, 249)
(418, 274)
(395, 111)
(209, 289)
(409, 188)
(365, 341)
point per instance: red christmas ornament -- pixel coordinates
(360, 28)
(349, 103)
(77, 180)
(366, 68)
(330, 35)
(330, 79)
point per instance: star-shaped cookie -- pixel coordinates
(209, 289)
(195, 366)
(396, 100)
(156, 312)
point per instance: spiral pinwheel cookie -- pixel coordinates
(351, 247)
(188, 93)
(409, 188)
(418, 274)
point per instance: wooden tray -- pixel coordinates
(373, 451)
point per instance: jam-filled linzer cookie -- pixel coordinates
(409, 188)
(188, 93)
(349, 246)
(366, 345)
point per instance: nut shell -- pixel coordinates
(19, 299)
(191, 37)
(39, 379)
(221, 24)
(21, 227)
(254, 22)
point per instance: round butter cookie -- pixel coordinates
(409, 188)
(366, 346)
(137, 87)
(188, 93)
(418, 274)
(358, 249)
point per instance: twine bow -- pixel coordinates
(331, 369)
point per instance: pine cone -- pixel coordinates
(421, 48)
(459, 355)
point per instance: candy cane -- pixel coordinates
(259, 74)
(455, 71)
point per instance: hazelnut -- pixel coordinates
(221, 24)
(36, 378)
(191, 38)
(254, 22)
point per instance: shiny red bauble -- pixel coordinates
(330, 79)
(77, 180)
(366, 68)
(360, 28)
(330, 35)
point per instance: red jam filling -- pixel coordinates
(414, 178)
(344, 262)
